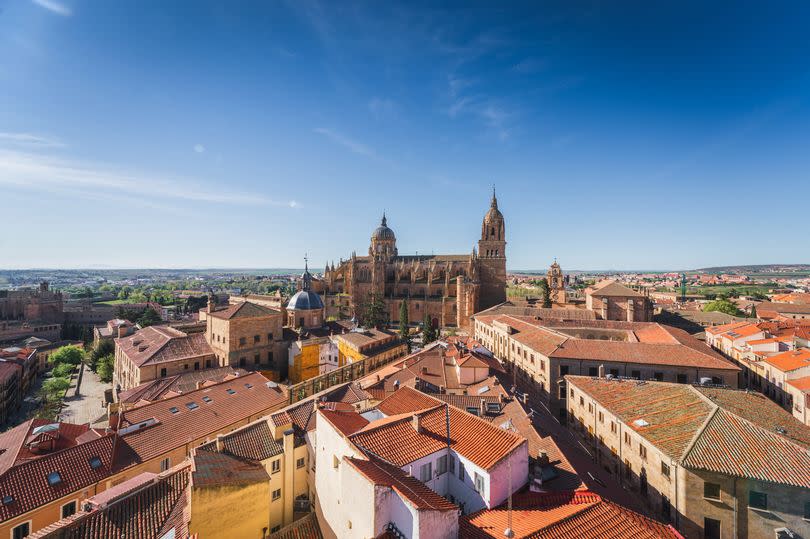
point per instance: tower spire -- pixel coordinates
(384, 221)
(494, 203)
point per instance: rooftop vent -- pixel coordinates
(781, 430)
(640, 423)
(95, 463)
(8, 499)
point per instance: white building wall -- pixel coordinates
(518, 462)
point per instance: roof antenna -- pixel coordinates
(508, 532)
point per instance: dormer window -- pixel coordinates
(174, 410)
(230, 391)
(206, 398)
(8, 499)
(192, 405)
(249, 386)
(95, 463)
(54, 479)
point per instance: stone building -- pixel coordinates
(41, 304)
(556, 284)
(715, 462)
(449, 288)
(611, 300)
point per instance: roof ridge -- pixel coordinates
(699, 432)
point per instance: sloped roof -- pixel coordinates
(159, 344)
(408, 487)
(575, 515)
(212, 469)
(790, 360)
(611, 288)
(154, 506)
(244, 309)
(727, 431)
(346, 422)
(303, 528)
(254, 441)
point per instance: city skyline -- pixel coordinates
(188, 136)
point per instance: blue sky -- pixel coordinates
(217, 134)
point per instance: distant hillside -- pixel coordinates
(760, 269)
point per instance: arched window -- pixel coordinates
(493, 231)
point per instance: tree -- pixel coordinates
(150, 317)
(63, 370)
(55, 386)
(428, 331)
(106, 366)
(374, 312)
(103, 348)
(546, 293)
(754, 311)
(72, 355)
(723, 306)
(404, 330)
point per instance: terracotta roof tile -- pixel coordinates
(158, 344)
(154, 506)
(303, 528)
(346, 422)
(413, 490)
(212, 469)
(245, 309)
(790, 360)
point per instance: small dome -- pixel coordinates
(494, 213)
(305, 300)
(382, 232)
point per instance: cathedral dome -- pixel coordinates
(305, 300)
(494, 213)
(382, 232)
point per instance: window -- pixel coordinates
(256, 339)
(665, 469)
(593, 371)
(276, 466)
(242, 341)
(601, 417)
(269, 337)
(613, 427)
(572, 392)
(627, 438)
(256, 359)
(23, 530)
(636, 374)
(8, 499)
(54, 479)
(642, 451)
(659, 376)
(276, 494)
(441, 465)
(614, 372)
(335, 461)
(479, 483)
(563, 370)
(207, 363)
(185, 366)
(461, 470)
(230, 391)
(242, 361)
(472, 410)
(270, 358)
(206, 398)
(711, 528)
(452, 465)
(711, 491)
(300, 463)
(165, 464)
(681, 378)
(581, 401)
(69, 509)
(192, 405)
(426, 472)
(163, 373)
(196, 365)
(757, 500)
(249, 386)
(95, 463)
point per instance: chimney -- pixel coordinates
(416, 421)
(542, 458)
(424, 370)
(199, 384)
(220, 443)
(122, 331)
(482, 406)
(114, 420)
(601, 371)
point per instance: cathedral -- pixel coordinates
(449, 288)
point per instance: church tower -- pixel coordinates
(492, 257)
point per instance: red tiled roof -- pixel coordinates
(212, 469)
(575, 515)
(151, 507)
(245, 309)
(254, 441)
(399, 442)
(177, 429)
(158, 344)
(180, 383)
(408, 487)
(303, 528)
(802, 384)
(790, 360)
(27, 482)
(727, 431)
(346, 422)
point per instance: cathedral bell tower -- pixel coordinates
(492, 257)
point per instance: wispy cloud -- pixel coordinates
(343, 140)
(39, 172)
(30, 140)
(54, 7)
(199, 148)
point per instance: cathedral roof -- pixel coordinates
(382, 232)
(305, 300)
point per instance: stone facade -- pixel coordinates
(41, 304)
(611, 300)
(449, 288)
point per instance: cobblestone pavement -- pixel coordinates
(84, 403)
